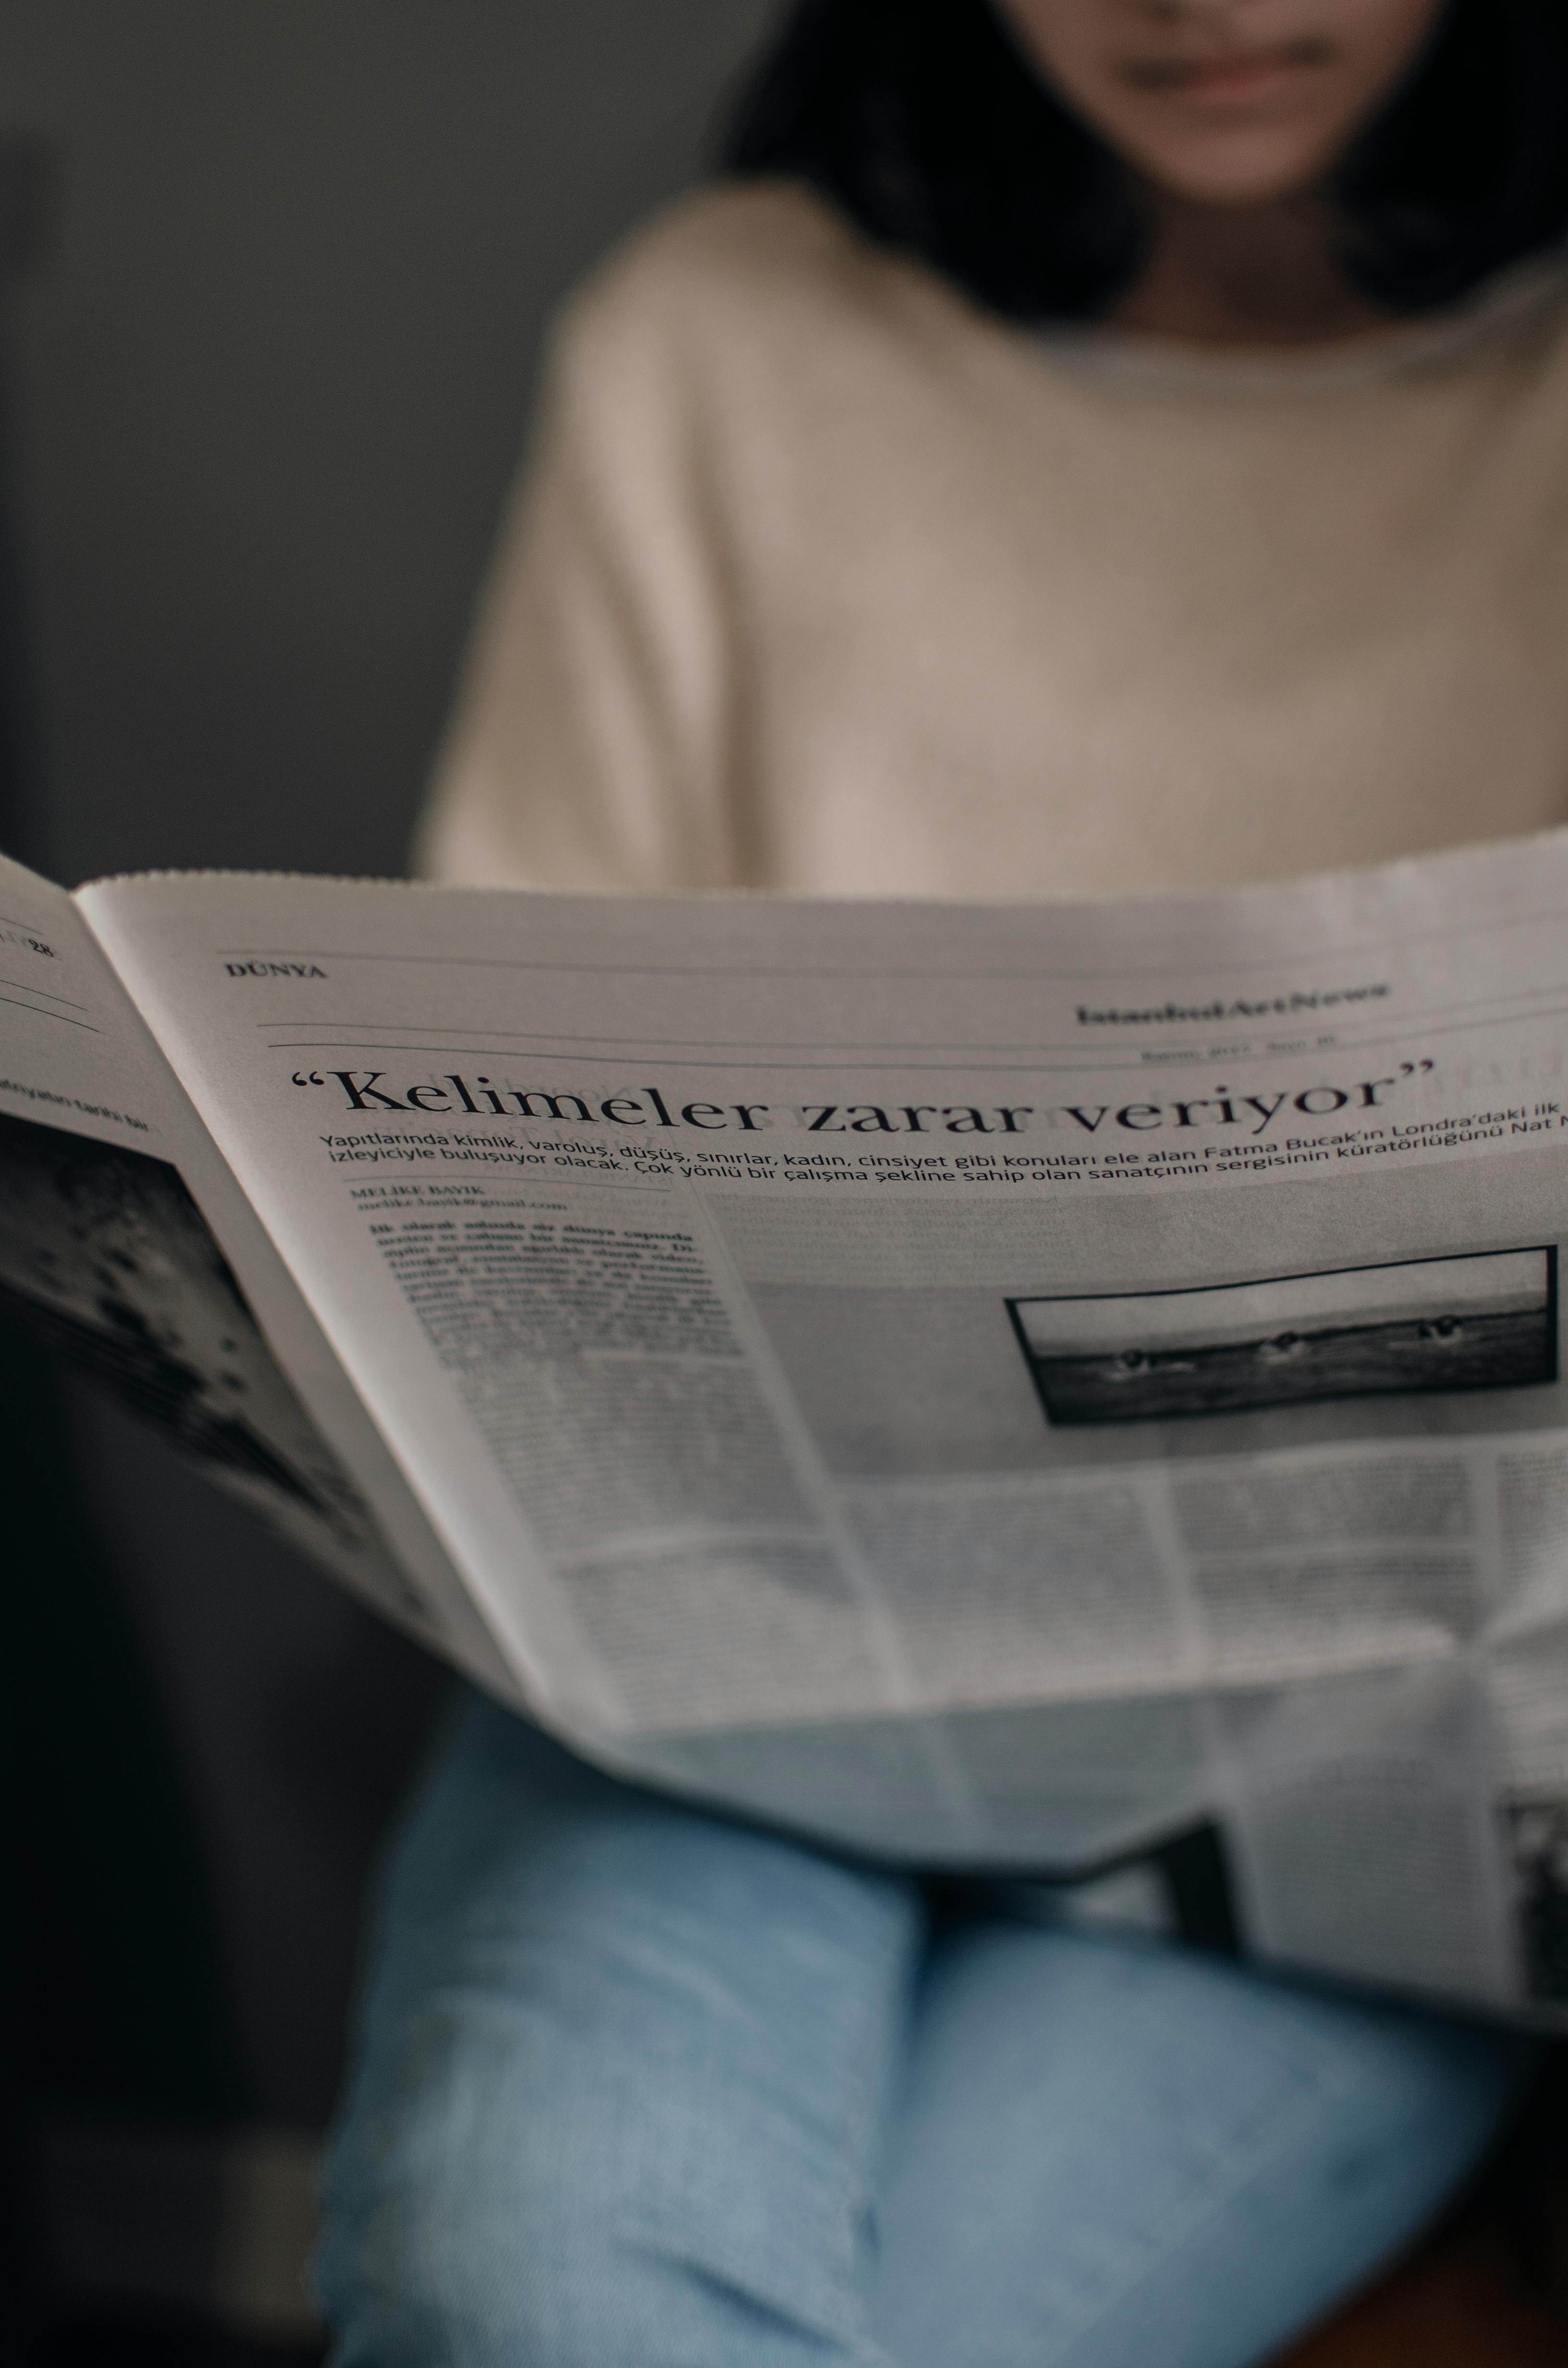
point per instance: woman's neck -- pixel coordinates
(1245, 276)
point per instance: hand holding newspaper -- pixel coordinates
(1074, 1391)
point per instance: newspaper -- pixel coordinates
(1069, 1391)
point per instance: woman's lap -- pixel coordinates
(638, 2085)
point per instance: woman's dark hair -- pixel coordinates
(922, 119)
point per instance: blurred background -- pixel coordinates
(275, 275)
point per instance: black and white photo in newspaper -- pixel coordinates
(108, 1261)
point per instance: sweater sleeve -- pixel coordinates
(590, 745)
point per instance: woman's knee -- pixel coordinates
(441, 2252)
(1354, 2091)
(1410, 2102)
(489, 2220)
(1216, 2155)
(613, 2050)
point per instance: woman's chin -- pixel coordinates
(1244, 168)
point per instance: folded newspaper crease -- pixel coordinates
(1082, 1395)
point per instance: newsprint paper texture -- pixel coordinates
(1073, 1392)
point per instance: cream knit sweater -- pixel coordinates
(823, 579)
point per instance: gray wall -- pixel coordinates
(278, 363)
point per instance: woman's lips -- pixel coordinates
(1243, 79)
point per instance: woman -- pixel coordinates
(1084, 447)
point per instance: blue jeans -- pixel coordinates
(640, 2088)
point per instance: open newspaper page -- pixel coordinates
(110, 1192)
(1075, 1391)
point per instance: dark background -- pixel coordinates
(273, 367)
